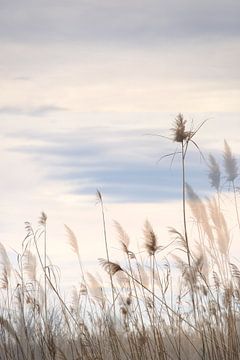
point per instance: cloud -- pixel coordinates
(122, 163)
(134, 21)
(42, 110)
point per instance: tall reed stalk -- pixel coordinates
(99, 198)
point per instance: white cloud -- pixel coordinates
(187, 76)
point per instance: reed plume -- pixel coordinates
(230, 163)
(122, 237)
(72, 239)
(150, 239)
(179, 132)
(199, 211)
(30, 265)
(4, 260)
(214, 174)
(109, 266)
(95, 288)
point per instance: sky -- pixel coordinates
(85, 88)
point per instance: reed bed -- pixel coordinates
(179, 304)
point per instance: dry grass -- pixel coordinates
(183, 306)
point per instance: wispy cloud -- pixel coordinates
(122, 163)
(42, 110)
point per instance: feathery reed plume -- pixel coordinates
(150, 239)
(230, 163)
(109, 266)
(4, 259)
(195, 203)
(231, 169)
(95, 288)
(235, 274)
(75, 298)
(123, 280)
(72, 239)
(43, 218)
(221, 228)
(199, 212)
(4, 278)
(83, 289)
(29, 265)
(201, 261)
(123, 237)
(5, 268)
(179, 237)
(214, 174)
(179, 130)
(141, 275)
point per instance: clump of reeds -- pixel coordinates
(167, 307)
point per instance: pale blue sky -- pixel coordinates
(82, 82)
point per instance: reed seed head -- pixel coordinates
(43, 218)
(180, 134)
(110, 266)
(230, 163)
(214, 172)
(150, 238)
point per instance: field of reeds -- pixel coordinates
(184, 304)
